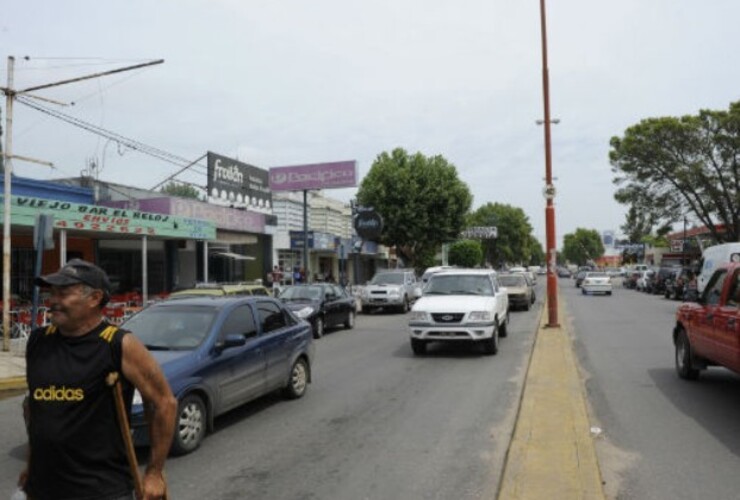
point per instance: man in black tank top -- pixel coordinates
(76, 448)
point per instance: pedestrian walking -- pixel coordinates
(76, 446)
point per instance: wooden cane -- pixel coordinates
(113, 380)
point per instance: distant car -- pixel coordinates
(433, 270)
(324, 305)
(596, 282)
(580, 275)
(390, 288)
(221, 290)
(460, 305)
(643, 280)
(564, 272)
(219, 353)
(613, 272)
(677, 283)
(521, 292)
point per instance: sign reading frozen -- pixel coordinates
(338, 174)
(234, 183)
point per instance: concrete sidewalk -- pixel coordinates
(12, 369)
(552, 454)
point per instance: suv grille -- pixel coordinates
(447, 317)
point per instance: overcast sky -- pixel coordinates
(285, 82)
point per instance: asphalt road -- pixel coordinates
(662, 437)
(377, 423)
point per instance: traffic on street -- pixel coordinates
(376, 422)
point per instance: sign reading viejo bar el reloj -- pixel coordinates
(95, 218)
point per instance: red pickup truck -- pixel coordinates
(707, 331)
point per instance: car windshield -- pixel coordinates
(512, 280)
(301, 293)
(596, 275)
(387, 279)
(172, 328)
(457, 284)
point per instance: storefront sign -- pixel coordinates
(314, 176)
(238, 183)
(222, 217)
(368, 223)
(103, 219)
(316, 240)
(296, 240)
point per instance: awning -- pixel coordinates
(234, 238)
(231, 255)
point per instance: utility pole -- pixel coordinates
(552, 279)
(8, 169)
(10, 94)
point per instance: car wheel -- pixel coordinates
(583, 292)
(190, 426)
(318, 327)
(490, 346)
(350, 323)
(419, 346)
(608, 293)
(684, 368)
(298, 380)
(504, 329)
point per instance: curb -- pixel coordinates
(13, 383)
(552, 453)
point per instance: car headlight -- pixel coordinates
(419, 316)
(305, 312)
(137, 398)
(479, 316)
(394, 293)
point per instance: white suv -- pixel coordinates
(392, 288)
(460, 305)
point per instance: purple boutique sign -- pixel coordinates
(315, 176)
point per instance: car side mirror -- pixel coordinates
(232, 340)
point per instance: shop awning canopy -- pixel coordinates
(232, 255)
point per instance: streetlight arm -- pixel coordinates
(88, 77)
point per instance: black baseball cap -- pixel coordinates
(77, 271)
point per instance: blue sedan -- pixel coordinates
(219, 353)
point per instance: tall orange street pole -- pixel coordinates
(552, 279)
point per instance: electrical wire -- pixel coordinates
(125, 141)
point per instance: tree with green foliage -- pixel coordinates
(583, 246)
(670, 167)
(536, 253)
(181, 190)
(421, 199)
(514, 244)
(465, 253)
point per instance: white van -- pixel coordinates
(713, 257)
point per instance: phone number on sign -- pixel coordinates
(108, 228)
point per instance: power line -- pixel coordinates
(125, 141)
